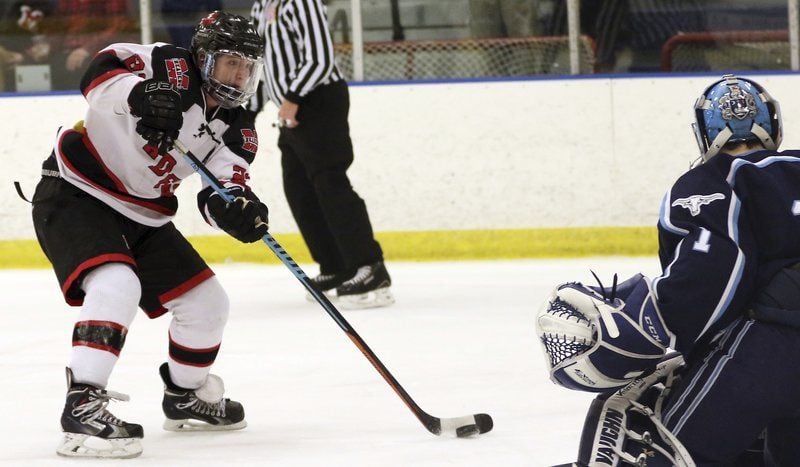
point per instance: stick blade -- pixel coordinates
(467, 426)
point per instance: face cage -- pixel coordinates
(699, 127)
(226, 95)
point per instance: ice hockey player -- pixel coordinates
(728, 300)
(102, 215)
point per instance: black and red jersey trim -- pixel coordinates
(80, 157)
(103, 67)
(192, 357)
(71, 296)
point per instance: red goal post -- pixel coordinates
(727, 50)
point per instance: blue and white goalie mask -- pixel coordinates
(736, 110)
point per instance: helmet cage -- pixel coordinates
(226, 94)
(735, 110)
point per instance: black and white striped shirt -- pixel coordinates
(299, 48)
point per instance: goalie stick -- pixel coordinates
(465, 426)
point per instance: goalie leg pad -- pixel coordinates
(625, 428)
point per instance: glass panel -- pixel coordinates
(46, 45)
(687, 35)
(444, 39)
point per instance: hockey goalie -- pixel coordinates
(728, 301)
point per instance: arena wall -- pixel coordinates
(528, 154)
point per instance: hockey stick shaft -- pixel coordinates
(431, 423)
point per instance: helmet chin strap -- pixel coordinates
(765, 137)
(720, 141)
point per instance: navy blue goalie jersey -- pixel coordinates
(725, 228)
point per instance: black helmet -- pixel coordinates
(223, 34)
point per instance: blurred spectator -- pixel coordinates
(21, 37)
(87, 26)
(491, 19)
(502, 18)
(181, 16)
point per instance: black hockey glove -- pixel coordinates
(158, 104)
(245, 219)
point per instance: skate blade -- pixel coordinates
(373, 299)
(81, 445)
(197, 425)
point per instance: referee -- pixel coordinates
(303, 80)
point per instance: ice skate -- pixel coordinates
(201, 409)
(90, 430)
(369, 288)
(327, 284)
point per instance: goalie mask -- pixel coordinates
(230, 55)
(735, 110)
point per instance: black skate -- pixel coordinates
(201, 409)
(327, 284)
(90, 430)
(368, 288)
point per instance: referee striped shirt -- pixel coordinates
(299, 48)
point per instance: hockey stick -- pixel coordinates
(467, 425)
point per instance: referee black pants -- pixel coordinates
(315, 157)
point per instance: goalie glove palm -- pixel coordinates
(596, 344)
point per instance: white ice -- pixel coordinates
(460, 340)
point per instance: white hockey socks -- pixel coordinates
(112, 298)
(195, 333)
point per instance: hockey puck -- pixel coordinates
(484, 422)
(467, 430)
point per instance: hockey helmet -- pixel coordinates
(230, 54)
(736, 110)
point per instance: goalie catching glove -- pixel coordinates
(245, 218)
(598, 340)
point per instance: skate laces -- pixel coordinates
(94, 409)
(194, 404)
(362, 273)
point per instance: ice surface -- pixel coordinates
(460, 339)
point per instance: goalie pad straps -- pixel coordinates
(623, 428)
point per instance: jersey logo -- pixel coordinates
(177, 70)
(203, 129)
(695, 202)
(134, 63)
(250, 143)
(240, 175)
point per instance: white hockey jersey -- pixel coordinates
(109, 160)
